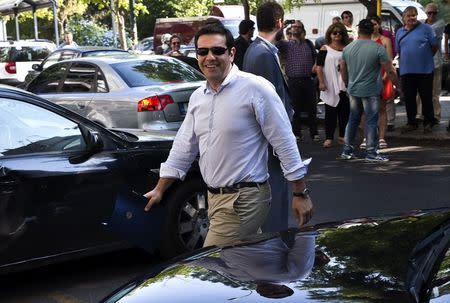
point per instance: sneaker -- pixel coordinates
(409, 128)
(382, 144)
(328, 143)
(363, 144)
(345, 156)
(376, 158)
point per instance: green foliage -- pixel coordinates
(89, 33)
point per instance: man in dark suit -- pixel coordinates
(262, 59)
(246, 29)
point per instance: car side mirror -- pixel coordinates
(36, 67)
(94, 145)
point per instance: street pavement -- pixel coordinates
(439, 131)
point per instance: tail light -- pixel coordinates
(154, 103)
(10, 67)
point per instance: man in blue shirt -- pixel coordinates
(416, 44)
(361, 71)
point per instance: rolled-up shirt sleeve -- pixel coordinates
(275, 125)
(183, 152)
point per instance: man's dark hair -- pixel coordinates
(346, 13)
(267, 15)
(365, 27)
(245, 26)
(212, 29)
(175, 36)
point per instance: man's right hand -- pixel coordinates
(154, 197)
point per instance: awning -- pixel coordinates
(15, 7)
(10, 7)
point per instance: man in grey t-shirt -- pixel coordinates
(361, 71)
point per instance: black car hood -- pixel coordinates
(391, 259)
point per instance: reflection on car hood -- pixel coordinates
(142, 135)
(390, 259)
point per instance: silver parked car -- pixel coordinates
(150, 92)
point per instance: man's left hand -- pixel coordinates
(303, 209)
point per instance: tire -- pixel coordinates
(187, 221)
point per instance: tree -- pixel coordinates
(69, 8)
(120, 11)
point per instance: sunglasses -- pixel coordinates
(337, 33)
(177, 43)
(216, 50)
(348, 17)
(432, 13)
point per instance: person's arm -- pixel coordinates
(275, 125)
(319, 68)
(388, 45)
(446, 35)
(184, 150)
(156, 194)
(344, 72)
(302, 207)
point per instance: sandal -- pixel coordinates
(382, 144)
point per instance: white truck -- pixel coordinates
(317, 16)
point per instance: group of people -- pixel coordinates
(243, 122)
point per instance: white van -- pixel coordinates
(317, 16)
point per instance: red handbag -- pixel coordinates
(388, 90)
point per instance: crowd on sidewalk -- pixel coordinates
(350, 69)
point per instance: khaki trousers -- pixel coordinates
(235, 217)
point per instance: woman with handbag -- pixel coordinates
(332, 88)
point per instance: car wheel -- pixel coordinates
(187, 220)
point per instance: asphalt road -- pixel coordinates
(418, 176)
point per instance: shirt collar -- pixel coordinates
(228, 79)
(271, 46)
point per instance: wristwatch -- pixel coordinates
(304, 193)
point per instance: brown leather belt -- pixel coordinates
(234, 188)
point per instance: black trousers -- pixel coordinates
(422, 84)
(303, 93)
(339, 114)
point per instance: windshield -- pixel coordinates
(156, 71)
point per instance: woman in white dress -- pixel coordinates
(332, 88)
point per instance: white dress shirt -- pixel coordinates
(231, 129)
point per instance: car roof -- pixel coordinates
(28, 43)
(82, 49)
(119, 58)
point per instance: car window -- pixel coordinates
(59, 56)
(104, 53)
(155, 72)
(101, 83)
(80, 78)
(48, 81)
(26, 128)
(4, 53)
(29, 53)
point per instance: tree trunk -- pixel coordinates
(371, 6)
(246, 9)
(121, 31)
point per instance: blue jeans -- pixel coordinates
(370, 106)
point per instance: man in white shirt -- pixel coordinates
(68, 41)
(230, 122)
